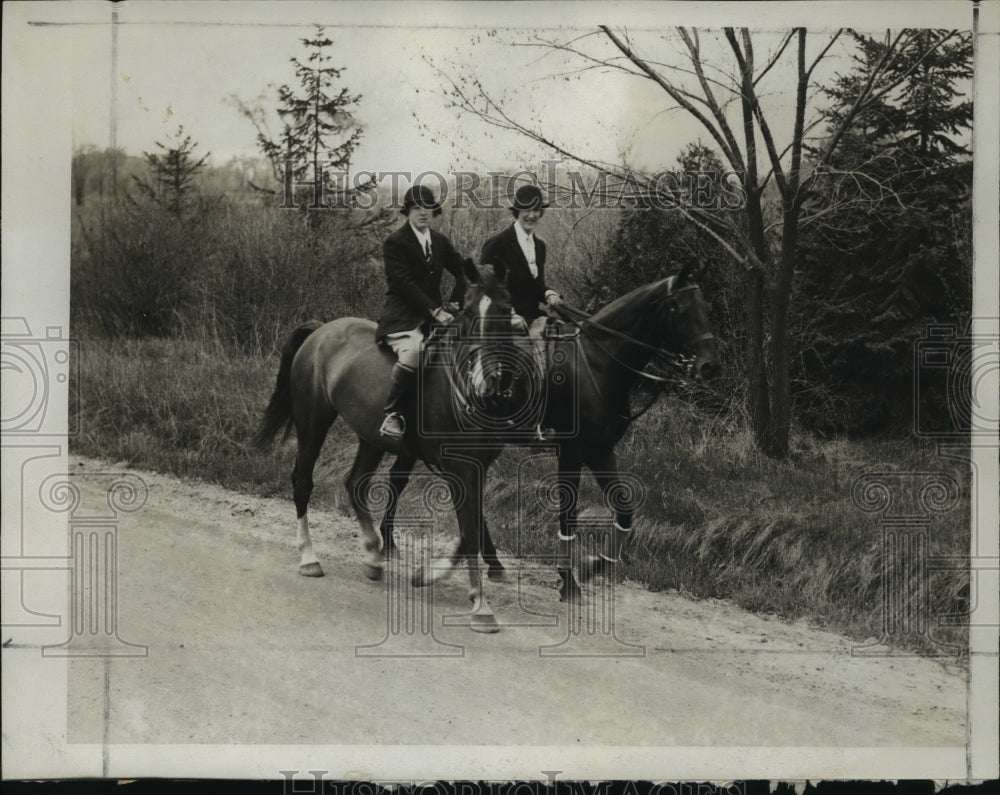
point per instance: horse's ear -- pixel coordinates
(683, 275)
(488, 279)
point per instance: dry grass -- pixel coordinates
(718, 520)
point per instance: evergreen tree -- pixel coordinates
(319, 132)
(889, 254)
(652, 241)
(173, 173)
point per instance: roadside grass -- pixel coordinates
(717, 519)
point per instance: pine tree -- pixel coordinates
(889, 254)
(173, 173)
(319, 132)
(651, 240)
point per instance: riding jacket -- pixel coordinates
(413, 286)
(503, 252)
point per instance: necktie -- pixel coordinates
(428, 257)
(529, 254)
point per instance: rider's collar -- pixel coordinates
(522, 235)
(424, 237)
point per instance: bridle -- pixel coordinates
(678, 362)
(444, 337)
(582, 321)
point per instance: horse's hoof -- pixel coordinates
(593, 566)
(570, 593)
(484, 623)
(372, 572)
(497, 572)
(311, 569)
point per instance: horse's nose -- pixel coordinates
(707, 370)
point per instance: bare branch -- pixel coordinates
(746, 67)
(800, 113)
(822, 53)
(733, 157)
(748, 260)
(720, 118)
(774, 58)
(493, 114)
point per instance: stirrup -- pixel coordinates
(393, 426)
(543, 434)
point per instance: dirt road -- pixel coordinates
(241, 649)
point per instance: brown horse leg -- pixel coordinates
(460, 484)
(465, 481)
(569, 485)
(310, 441)
(619, 498)
(358, 480)
(472, 526)
(399, 476)
(494, 568)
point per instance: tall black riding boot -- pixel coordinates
(394, 425)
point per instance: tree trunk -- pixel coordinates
(760, 407)
(781, 393)
(776, 442)
(758, 393)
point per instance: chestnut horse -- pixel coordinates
(467, 376)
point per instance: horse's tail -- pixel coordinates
(278, 414)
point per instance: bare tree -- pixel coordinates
(725, 97)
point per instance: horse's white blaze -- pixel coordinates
(478, 375)
(484, 305)
(304, 542)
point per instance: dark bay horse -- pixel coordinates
(588, 406)
(337, 370)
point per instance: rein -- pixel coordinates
(672, 359)
(676, 361)
(444, 342)
(440, 337)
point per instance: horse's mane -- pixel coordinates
(622, 308)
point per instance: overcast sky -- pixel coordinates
(178, 63)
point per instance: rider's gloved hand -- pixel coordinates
(442, 315)
(553, 299)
